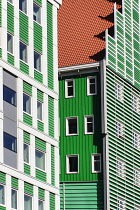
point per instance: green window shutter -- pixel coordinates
(24, 68)
(2, 177)
(26, 136)
(41, 193)
(14, 182)
(27, 169)
(40, 175)
(40, 95)
(10, 18)
(50, 46)
(40, 126)
(52, 166)
(2, 208)
(10, 59)
(52, 201)
(40, 144)
(38, 2)
(23, 27)
(37, 37)
(27, 119)
(0, 53)
(28, 188)
(38, 76)
(51, 116)
(27, 88)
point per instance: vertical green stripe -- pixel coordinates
(28, 188)
(14, 182)
(51, 116)
(27, 88)
(52, 166)
(10, 18)
(23, 27)
(52, 201)
(2, 177)
(37, 37)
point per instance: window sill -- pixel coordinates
(10, 53)
(38, 71)
(39, 120)
(40, 169)
(72, 134)
(37, 23)
(69, 96)
(72, 173)
(23, 13)
(91, 133)
(27, 113)
(27, 164)
(93, 94)
(96, 172)
(23, 62)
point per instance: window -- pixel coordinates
(119, 129)
(23, 5)
(10, 43)
(89, 124)
(9, 95)
(40, 159)
(40, 205)
(26, 103)
(71, 126)
(136, 177)
(121, 204)
(13, 199)
(69, 88)
(119, 91)
(135, 140)
(37, 61)
(37, 13)
(2, 194)
(135, 103)
(26, 153)
(91, 85)
(23, 52)
(27, 202)
(39, 110)
(10, 142)
(96, 163)
(72, 164)
(10, 1)
(120, 168)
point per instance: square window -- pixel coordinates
(2, 198)
(136, 140)
(40, 205)
(39, 110)
(72, 164)
(27, 202)
(37, 61)
(120, 166)
(10, 43)
(10, 1)
(13, 199)
(89, 124)
(135, 104)
(23, 6)
(71, 126)
(92, 85)
(26, 103)
(10, 142)
(40, 159)
(119, 91)
(136, 177)
(9, 95)
(96, 163)
(119, 129)
(26, 153)
(37, 13)
(23, 52)
(69, 88)
(121, 204)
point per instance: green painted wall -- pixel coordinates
(82, 144)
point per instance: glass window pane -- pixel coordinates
(37, 61)
(2, 194)
(73, 164)
(40, 159)
(37, 13)
(26, 103)
(92, 88)
(23, 6)
(40, 205)
(9, 43)
(27, 202)
(72, 123)
(10, 1)
(23, 52)
(26, 153)
(14, 199)
(39, 110)
(10, 142)
(9, 95)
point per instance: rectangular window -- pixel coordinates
(136, 140)
(40, 159)
(27, 202)
(91, 85)
(119, 91)
(69, 88)
(39, 110)
(40, 205)
(119, 130)
(10, 1)
(136, 177)
(26, 103)
(2, 199)
(89, 124)
(96, 163)
(26, 153)
(37, 61)
(135, 104)
(71, 126)
(72, 164)
(13, 199)
(121, 204)
(9, 95)
(37, 13)
(10, 43)
(10, 142)
(23, 52)
(120, 168)
(23, 6)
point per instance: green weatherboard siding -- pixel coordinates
(24, 68)
(40, 126)
(26, 136)
(51, 116)
(14, 182)
(10, 59)
(41, 193)
(10, 18)
(40, 144)
(27, 119)
(2, 177)
(23, 27)
(40, 175)
(28, 188)
(27, 169)
(52, 201)
(37, 37)
(27, 88)
(38, 76)
(40, 95)
(81, 144)
(50, 46)
(52, 165)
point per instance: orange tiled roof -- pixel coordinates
(81, 26)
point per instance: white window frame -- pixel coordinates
(121, 202)
(26, 62)
(136, 140)
(11, 198)
(67, 163)
(88, 85)
(29, 152)
(67, 126)
(119, 91)
(3, 204)
(31, 198)
(136, 176)
(42, 111)
(135, 103)
(12, 53)
(93, 161)
(119, 129)
(30, 114)
(44, 170)
(66, 88)
(120, 170)
(40, 71)
(26, 8)
(85, 120)
(34, 3)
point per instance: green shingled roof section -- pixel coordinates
(28, 188)
(27, 88)
(40, 144)
(10, 18)
(14, 182)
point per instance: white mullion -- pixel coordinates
(48, 162)
(35, 198)
(34, 106)
(32, 155)
(20, 150)
(8, 192)
(56, 155)
(20, 195)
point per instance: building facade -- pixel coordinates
(100, 106)
(29, 160)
